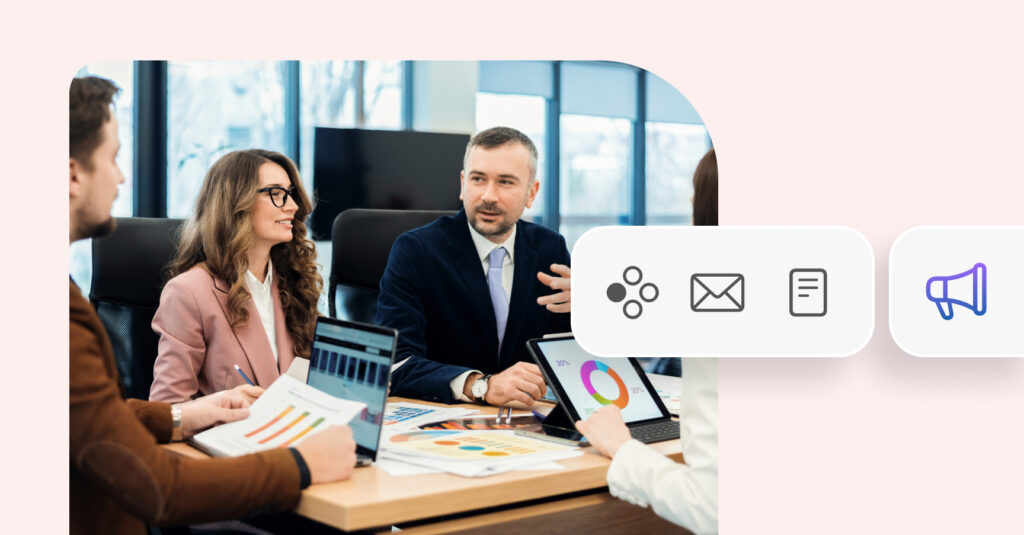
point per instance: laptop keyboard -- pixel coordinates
(656, 432)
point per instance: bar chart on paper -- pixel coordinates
(284, 429)
(286, 413)
(404, 415)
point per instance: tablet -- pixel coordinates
(584, 383)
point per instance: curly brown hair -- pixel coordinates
(219, 233)
(705, 191)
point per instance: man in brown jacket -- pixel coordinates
(120, 477)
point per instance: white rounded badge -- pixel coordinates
(723, 291)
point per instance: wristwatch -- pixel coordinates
(175, 423)
(479, 388)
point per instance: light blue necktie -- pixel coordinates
(498, 298)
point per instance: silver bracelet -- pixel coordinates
(176, 429)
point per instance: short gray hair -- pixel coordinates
(499, 136)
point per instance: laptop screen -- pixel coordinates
(592, 382)
(352, 361)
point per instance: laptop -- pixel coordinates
(353, 361)
(584, 383)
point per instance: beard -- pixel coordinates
(96, 230)
(503, 225)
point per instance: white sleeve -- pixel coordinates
(686, 494)
(458, 385)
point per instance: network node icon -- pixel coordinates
(648, 292)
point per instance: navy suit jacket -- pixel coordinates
(434, 292)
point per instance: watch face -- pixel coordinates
(479, 388)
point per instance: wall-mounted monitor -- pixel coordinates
(399, 170)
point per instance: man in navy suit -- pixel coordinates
(466, 292)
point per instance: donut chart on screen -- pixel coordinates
(588, 368)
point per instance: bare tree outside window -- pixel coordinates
(382, 94)
(327, 98)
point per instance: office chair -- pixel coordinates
(361, 242)
(127, 278)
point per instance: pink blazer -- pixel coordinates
(198, 348)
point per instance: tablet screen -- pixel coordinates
(591, 382)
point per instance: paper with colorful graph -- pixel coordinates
(471, 453)
(288, 412)
(404, 415)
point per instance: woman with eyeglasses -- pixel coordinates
(244, 286)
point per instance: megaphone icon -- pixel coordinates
(966, 289)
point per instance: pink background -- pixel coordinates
(874, 115)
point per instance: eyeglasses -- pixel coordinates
(278, 195)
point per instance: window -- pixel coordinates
(122, 74)
(327, 98)
(214, 108)
(382, 94)
(595, 171)
(597, 112)
(525, 113)
(598, 106)
(673, 151)
(676, 140)
(329, 92)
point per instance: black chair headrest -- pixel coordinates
(128, 265)
(362, 241)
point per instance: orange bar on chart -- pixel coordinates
(285, 428)
(271, 422)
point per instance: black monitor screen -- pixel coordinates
(402, 170)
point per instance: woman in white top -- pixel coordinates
(685, 494)
(244, 286)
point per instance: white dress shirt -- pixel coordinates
(261, 295)
(483, 251)
(686, 494)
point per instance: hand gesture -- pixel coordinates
(561, 301)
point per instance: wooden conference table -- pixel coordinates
(575, 499)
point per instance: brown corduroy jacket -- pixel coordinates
(121, 478)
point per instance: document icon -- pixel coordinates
(716, 292)
(808, 292)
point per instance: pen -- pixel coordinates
(539, 416)
(508, 416)
(240, 372)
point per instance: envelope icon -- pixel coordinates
(716, 292)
